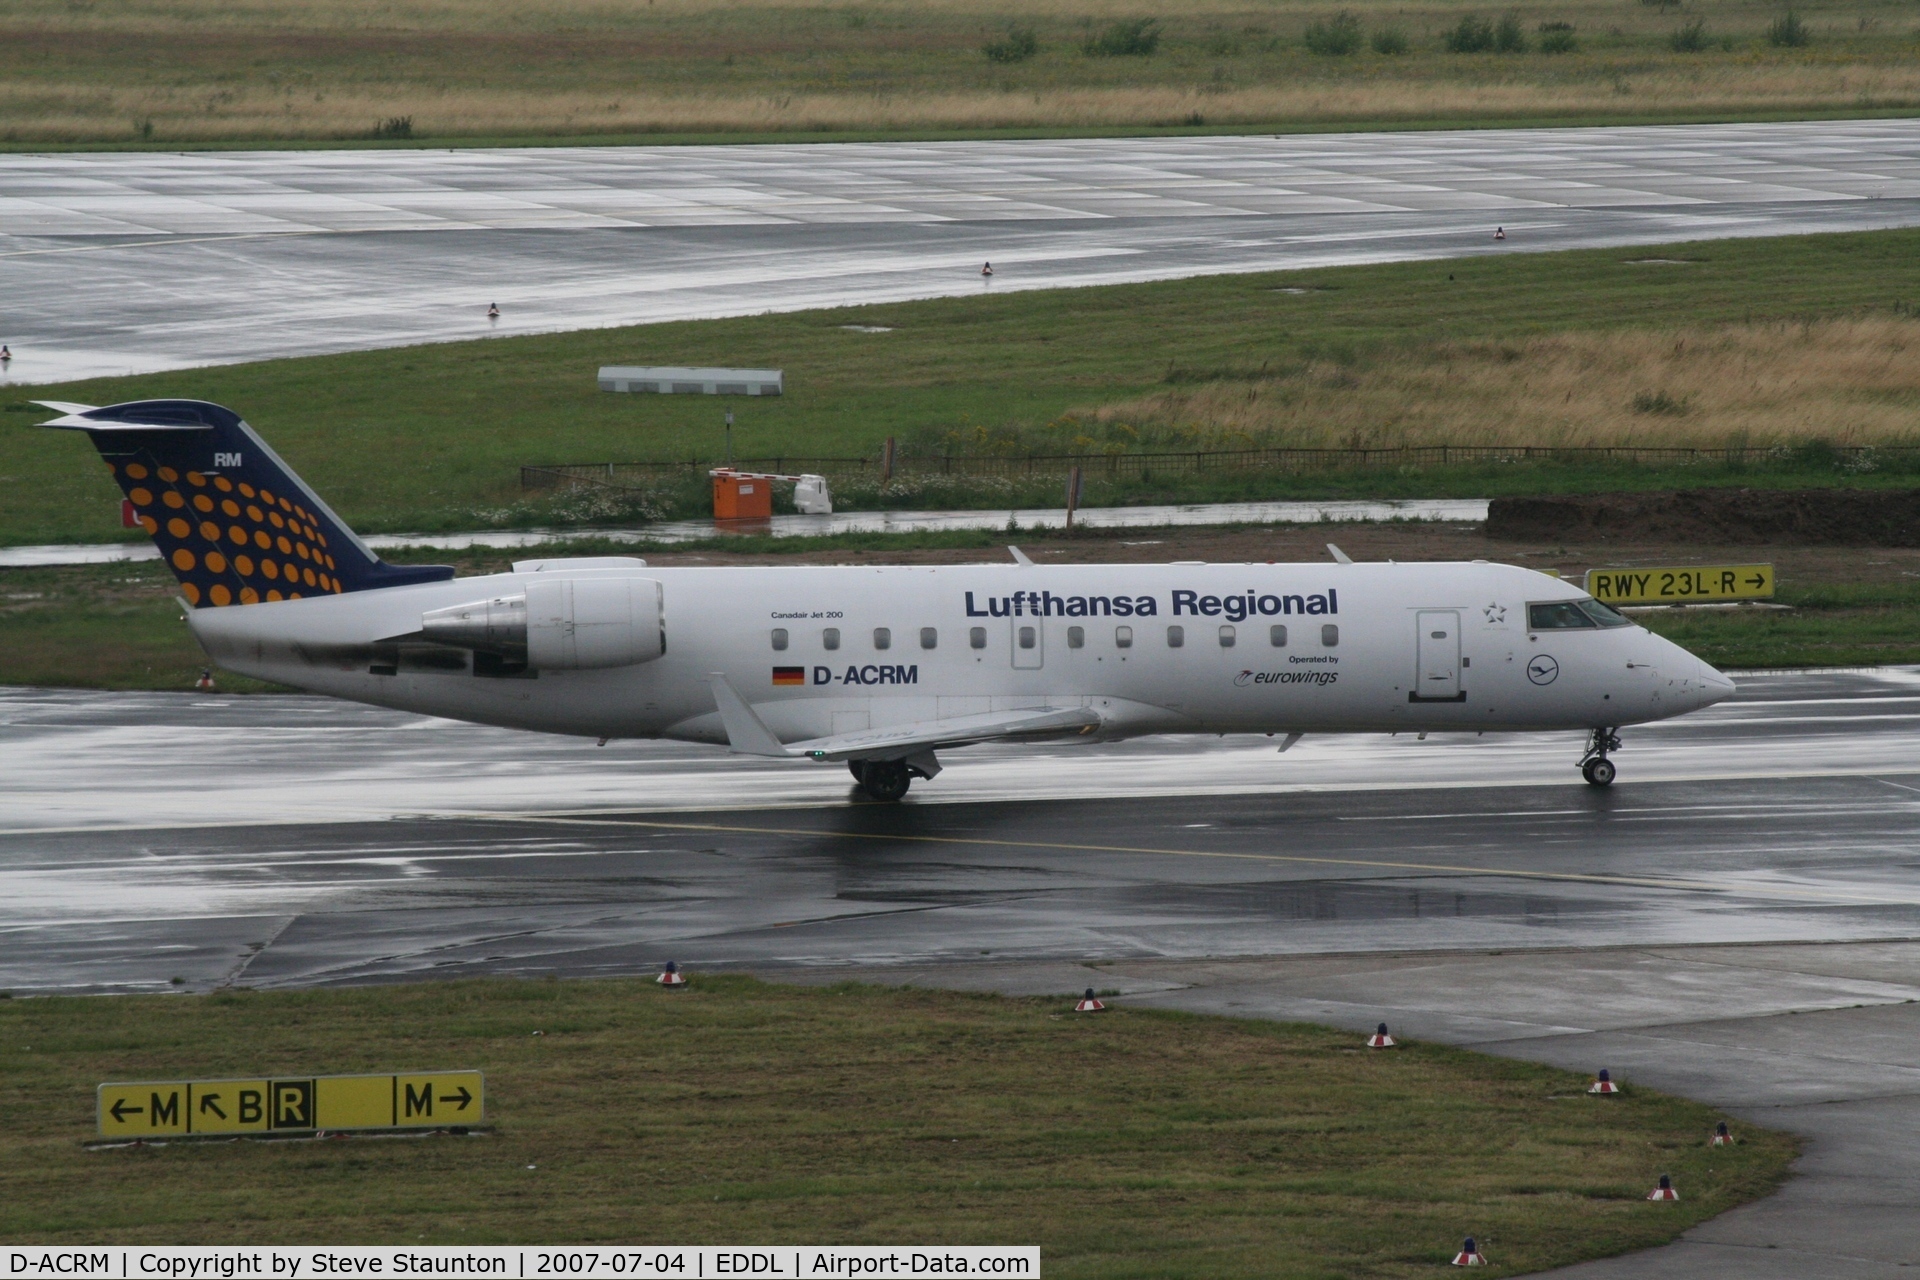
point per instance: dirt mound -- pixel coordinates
(1813, 517)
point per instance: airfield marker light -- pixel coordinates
(1089, 1003)
(205, 683)
(1469, 1255)
(1664, 1191)
(1604, 1085)
(1722, 1136)
(1380, 1039)
(671, 976)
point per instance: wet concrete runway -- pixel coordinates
(116, 263)
(1737, 919)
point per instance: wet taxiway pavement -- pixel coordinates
(299, 840)
(115, 263)
(1735, 920)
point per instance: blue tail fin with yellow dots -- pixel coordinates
(233, 520)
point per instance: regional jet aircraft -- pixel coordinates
(877, 667)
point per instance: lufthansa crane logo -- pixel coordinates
(1543, 670)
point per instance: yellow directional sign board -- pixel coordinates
(1691, 585)
(175, 1108)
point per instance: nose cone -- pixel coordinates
(1714, 687)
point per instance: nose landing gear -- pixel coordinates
(1594, 765)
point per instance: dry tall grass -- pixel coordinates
(183, 70)
(1847, 382)
(77, 113)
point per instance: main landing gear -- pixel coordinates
(884, 780)
(1594, 766)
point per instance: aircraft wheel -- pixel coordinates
(858, 768)
(1598, 771)
(886, 779)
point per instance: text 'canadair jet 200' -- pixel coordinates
(879, 667)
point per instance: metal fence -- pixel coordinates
(642, 475)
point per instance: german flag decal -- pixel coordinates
(789, 675)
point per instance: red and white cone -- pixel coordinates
(1722, 1136)
(1664, 1191)
(205, 683)
(1088, 1003)
(1380, 1039)
(1469, 1255)
(1604, 1084)
(671, 976)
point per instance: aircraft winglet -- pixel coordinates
(1339, 556)
(747, 733)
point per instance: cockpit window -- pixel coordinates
(1604, 614)
(1561, 615)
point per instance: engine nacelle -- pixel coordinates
(584, 623)
(561, 624)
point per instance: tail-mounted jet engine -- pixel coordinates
(559, 624)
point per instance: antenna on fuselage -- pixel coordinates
(1339, 556)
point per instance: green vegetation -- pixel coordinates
(432, 437)
(430, 72)
(1132, 1144)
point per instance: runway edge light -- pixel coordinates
(1604, 1084)
(671, 975)
(1089, 1003)
(1664, 1191)
(1722, 1136)
(1469, 1255)
(1380, 1039)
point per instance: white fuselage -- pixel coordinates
(1366, 647)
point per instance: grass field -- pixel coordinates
(1779, 339)
(172, 72)
(1133, 1144)
(118, 626)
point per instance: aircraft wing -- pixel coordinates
(749, 735)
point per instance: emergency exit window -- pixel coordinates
(1028, 638)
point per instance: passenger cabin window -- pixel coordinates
(1123, 637)
(929, 637)
(830, 638)
(1561, 615)
(1027, 638)
(1176, 636)
(1076, 637)
(977, 637)
(1226, 637)
(882, 638)
(1277, 636)
(1329, 635)
(779, 637)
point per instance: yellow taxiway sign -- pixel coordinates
(1695, 584)
(404, 1100)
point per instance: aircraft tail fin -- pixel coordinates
(233, 521)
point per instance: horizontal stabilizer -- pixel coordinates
(64, 406)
